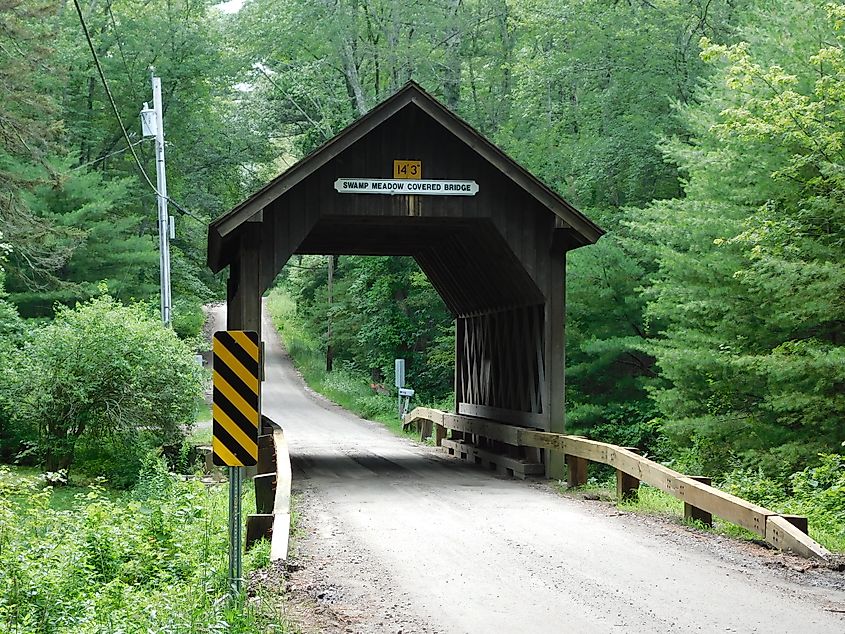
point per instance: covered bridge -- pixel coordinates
(490, 236)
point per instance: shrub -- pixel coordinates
(188, 318)
(820, 490)
(107, 375)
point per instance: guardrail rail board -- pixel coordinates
(281, 507)
(272, 493)
(697, 495)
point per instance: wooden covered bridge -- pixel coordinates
(411, 178)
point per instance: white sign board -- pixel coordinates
(399, 365)
(405, 186)
(406, 391)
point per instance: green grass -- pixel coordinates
(203, 411)
(348, 389)
(61, 498)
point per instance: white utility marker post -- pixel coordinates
(399, 382)
(153, 125)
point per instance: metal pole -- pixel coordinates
(163, 216)
(235, 538)
(329, 351)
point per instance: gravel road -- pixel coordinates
(399, 537)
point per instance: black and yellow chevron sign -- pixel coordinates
(235, 403)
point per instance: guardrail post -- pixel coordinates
(694, 513)
(266, 455)
(439, 434)
(576, 470)
(798, 521)
(627, 486)
(425, 429)
(265, 492)
(258, 526)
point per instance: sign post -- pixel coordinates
(236, 416)
(235, 540)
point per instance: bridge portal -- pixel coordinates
(491, 238)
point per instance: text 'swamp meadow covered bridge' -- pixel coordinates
(490, 236)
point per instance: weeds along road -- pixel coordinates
(398, 537)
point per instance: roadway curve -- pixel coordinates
(398, 537)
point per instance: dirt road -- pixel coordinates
(397, 537)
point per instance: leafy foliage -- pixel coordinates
(152, 560)
(817, 492)
(382, 309)
(706, 137)
(102, 373)
(750, 275)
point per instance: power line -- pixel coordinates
(109, 155)
(129, 145)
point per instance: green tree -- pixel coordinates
(750, 264)
(29, 127)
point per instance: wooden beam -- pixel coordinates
(648, 471)
(504, 465)
(512, 417)
(243, 290)
(724, 505)
(555, 319)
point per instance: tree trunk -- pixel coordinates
(452, 78)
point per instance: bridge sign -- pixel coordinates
(405, 186)
(235, 409)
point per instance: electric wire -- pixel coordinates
(109, 155)
(129, 145)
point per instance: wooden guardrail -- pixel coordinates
(272, 493)
(701, 501)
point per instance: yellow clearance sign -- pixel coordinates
(407, 169)
(235, 402)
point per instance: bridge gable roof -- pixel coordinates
(581, 229)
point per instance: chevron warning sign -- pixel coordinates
(235, 402)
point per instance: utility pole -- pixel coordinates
(152, 124)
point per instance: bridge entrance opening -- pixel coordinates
(491, 238)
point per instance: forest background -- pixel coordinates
(706, 137)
